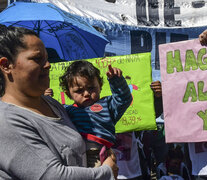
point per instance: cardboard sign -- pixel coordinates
(183, 74)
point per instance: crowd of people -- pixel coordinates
(43, 139)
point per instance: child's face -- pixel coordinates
(85, 92)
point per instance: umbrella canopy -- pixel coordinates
(65, 36)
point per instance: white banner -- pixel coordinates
(139, 26)
(150, 13)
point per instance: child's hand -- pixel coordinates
(157, 89)
(203, 38)
(113, 72)
(48, 92)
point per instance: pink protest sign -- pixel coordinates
(183, 68)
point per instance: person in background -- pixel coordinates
(197, 154)
(154, 148)
(38, 139)
(127, 156)
(203, 38)
(131, 159)
(174, 165)
(95, 117)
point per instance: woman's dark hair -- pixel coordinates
(79, 68)
(11, 39)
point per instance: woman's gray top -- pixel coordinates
(35, 147)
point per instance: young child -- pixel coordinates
(95, 118)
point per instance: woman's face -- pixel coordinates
(30, 72)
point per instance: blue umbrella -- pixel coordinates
(66, 36)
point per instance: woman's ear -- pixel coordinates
(5, 65)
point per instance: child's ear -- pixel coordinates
(68, 94)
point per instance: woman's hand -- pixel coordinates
(111, 161)
(203, 38)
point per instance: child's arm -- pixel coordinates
(121, 96)
(113, 72)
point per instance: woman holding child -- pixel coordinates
(38, 140)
